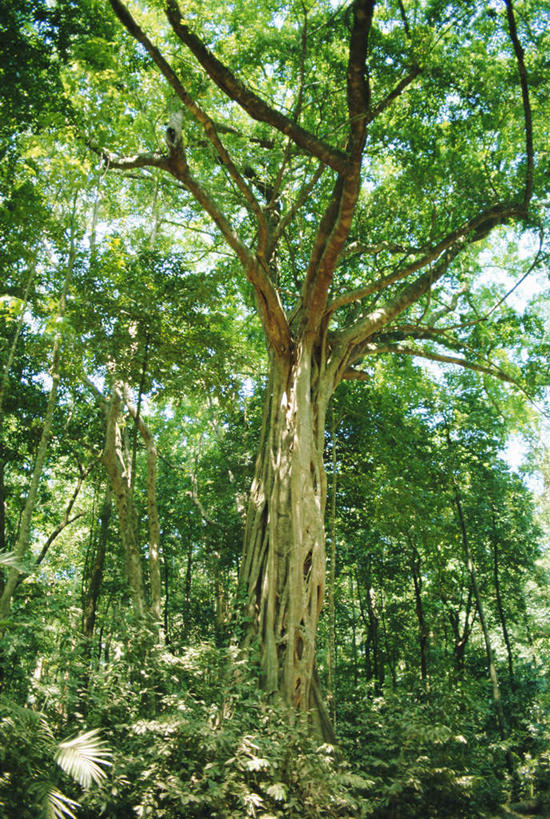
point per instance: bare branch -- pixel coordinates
(394, 94)
(57, 531)
(299, 202)
(255, 107)
(400, 349)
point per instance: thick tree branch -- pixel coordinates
(255, 107)
(526, 104)
(476, 229)
(196, 111)
(336, 222)
(358, 87)
(271, 311)
(347, 341)
(419, 332)
(125, 163)
(357, 248)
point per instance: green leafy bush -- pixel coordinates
(30, 757)
(214, 748)
(426, 755)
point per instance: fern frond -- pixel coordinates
(82, 757)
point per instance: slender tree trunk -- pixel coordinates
(353, 629)
(389, 654)
(374, 668)
(91, 596)
(166, 617)
(423, 632)
(2, 507)
(24, 535)
(152, 510)
(283, 566)
(4, 378)
(366, 626)
(187, 590)
(332, 578)
(94, 586)
(377, 661)
(460, 636)
(497, 699)
(500, 606)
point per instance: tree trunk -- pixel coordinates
(353, 629)
(332, 578)
(374, 668)
(116, 463)
(152, 509)
(96, 576)
(283, 566)
(24, 537)
(2, 509)
(497, 699)
(500, 605)
(4, 378)
(423, 632)
(90, 598)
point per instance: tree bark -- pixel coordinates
(2, 505)
(23, 539)
(116, 464)
(96, 576)
(423, 632)
(152, 509)
(500, 605)
(283, 566)
(497, 699)
(4, 378)
(332, 578)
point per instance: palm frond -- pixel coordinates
(13, 561)
(83, 756)
(58, 806)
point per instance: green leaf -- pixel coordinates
(277, 791)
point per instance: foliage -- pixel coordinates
(29, 785)
(156, 301)
(214, 747)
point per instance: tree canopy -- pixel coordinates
(274, 315)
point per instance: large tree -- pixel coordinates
(354, 159)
